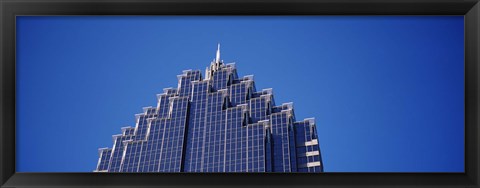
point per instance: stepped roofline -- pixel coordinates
(221, 103)
(310, 120)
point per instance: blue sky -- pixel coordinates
(387, 92)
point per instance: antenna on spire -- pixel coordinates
(217, 59)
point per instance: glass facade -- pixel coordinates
(219, 123)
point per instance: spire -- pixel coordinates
(216, 63)
(217, 59)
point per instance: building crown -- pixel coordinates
(215, 65)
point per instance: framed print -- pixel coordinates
(267, 93)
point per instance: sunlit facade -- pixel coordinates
(219, 123)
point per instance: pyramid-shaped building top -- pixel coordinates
(219, 123)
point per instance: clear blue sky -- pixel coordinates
(387, 92)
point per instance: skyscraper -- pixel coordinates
(219, 123)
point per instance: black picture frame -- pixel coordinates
(11, 8)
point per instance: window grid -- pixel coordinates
(214, 125)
